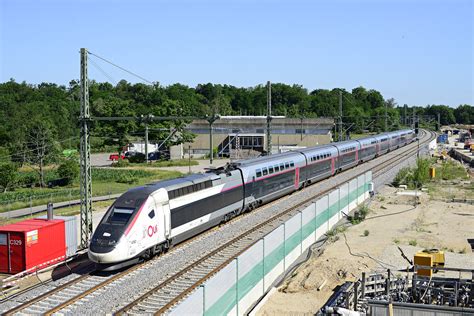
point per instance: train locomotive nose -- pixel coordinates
(107, 251)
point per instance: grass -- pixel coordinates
(357, 136)
(413, 242)
(104, 182)
(450, 170)
(419, 175)
(157, 164)
(66, 211)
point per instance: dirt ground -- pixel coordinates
(392, 222)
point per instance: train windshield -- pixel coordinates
(120, 215)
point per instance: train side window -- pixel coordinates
(287, 165)
(270, 170)
(151, 214)
(258, 172)
(282, 166)
(292, 164)
(264, 171)
(277, 168)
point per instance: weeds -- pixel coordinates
(332, 233)
(359, 215)
(396, 241)
(366, 233)
(413, 242)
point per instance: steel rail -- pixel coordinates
(168, 281)
(45, 295)
(389, 162)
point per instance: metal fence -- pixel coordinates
(235, 289)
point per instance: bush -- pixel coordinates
(7, 175)
(69, 170)
(99, 174)
(126, 178)
(421, 174)
(27, 179)
(121, 163)
(402, 177)
(366, 233)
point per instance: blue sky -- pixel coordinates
(416, 51)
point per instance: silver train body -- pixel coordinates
(149, 219)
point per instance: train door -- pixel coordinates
(4, 254)
(167, 219)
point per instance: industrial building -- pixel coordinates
(245, 136)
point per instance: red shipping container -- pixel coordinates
(31, 244)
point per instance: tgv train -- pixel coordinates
(149, 219)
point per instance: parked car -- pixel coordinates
(129, 154)
(159, 155)
(115, 157)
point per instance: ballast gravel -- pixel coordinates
(119, 293)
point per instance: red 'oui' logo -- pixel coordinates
(152, 230)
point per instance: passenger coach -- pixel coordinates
(149, 219)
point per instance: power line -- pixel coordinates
(31, 150)
(121, 68)
(103, 72)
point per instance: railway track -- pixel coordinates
(177, 286)
(161, 298)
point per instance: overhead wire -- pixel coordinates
(121, 68)
(103, 72)
(31, 150)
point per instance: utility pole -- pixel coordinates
(211, 119)
(146, 142)
(340, 116)
(413, 120)
(405, 116)
(269, 118)
(189, 158)
(85, 177)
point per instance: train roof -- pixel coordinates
(263, 159)
(318, 148)
(345, 143)
(132, 196)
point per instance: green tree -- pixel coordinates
(8, 172)
(41, 146)
(464, 114)
(69, 169)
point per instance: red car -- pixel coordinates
(115, 157)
